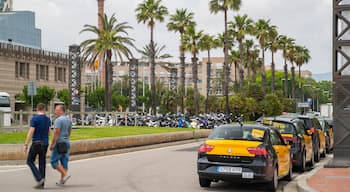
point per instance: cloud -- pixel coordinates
(309, 22)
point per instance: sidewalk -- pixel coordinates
(330, 180)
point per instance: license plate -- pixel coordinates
(247, 175)
(229, 169)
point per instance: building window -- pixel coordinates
(60, 74)
(42, 72)
(22, 70)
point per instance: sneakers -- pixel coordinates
(40, 184)
(63, 181)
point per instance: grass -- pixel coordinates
(95, 133)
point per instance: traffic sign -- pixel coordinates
(31, 88)
(301, 105)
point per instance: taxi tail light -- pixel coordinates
(204, 148)
(258, 151)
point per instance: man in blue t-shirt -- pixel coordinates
(39, 134)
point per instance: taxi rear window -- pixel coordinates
(238, 133)
(283, 127)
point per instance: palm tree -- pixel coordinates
(302, 57)
(241, 26)
(255, 63)
(263, 34)
(112, 38)
(285, 43)
(248, 45)
(190, 42)
(206, 44)
(217, 6)
(178, 23)
(235, 59)
(291, 54)
(150, 11)
(273, 45)
(158, 53)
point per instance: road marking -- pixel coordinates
(12, 170)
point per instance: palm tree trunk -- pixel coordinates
(241, 69)
(272, 72)
(248, 65)
(195, 83)
(285, 79)
(300, 87)
(263, 72)
(208, 83)
(236, 79)
(293, 80)
(108, 81)
(226, 81)
(153, 75)
(182, 73)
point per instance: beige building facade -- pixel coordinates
(20, 65)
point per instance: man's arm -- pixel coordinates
(55, 137)
(29, 136)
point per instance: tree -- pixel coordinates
(217, 6)
(112, 38)
(302, 57)
(273, 45)
(178, 23)
(235, 59)
(291, 54)
(63, 95)
(241, 26)
(190, 41)
(284, 44)
(95, 98)
(158, 52)
(262, 29)
(271, 105)
(206, 44)
(150, 11)
(44, 95)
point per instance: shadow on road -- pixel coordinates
(59, 188)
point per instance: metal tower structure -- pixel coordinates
(74, 77)
(341, 83)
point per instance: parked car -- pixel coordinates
(247, 153)
(318, 136)
(295, 133)
(328, 130)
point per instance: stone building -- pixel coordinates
(20, 65)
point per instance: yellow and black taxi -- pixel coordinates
(247, 153)
(295, 133)
(318, 136)
(328, 131)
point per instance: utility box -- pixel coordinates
(326, 110)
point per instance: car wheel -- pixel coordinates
(204, 182)
(303, 163)
(318, 155)
(289, 177)
(273, 184)
(323, 154)
(312, 161)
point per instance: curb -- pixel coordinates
(302, 185)
(14, 152)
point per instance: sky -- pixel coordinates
(309, 22)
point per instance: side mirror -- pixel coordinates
(289, 142)
(308, 132)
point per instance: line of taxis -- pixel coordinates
(265, 152)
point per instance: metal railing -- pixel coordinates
(21, 119)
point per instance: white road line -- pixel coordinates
(13, 168)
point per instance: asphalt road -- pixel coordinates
(170, 169)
